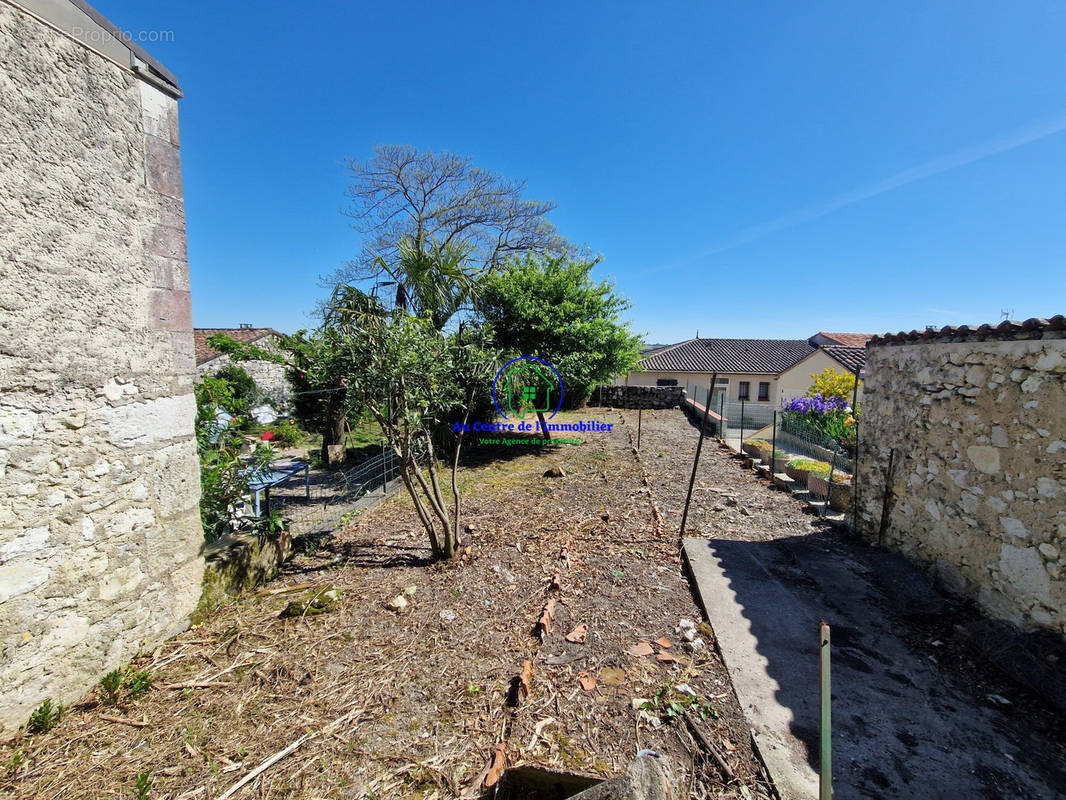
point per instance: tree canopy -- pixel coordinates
(551, 308)
(423, 200)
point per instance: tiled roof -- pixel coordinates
(853, 359)
(204, 351)
(758, 356)
(1031, 328)
(848, 339)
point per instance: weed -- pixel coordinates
(18, 758)
(668, 703)
(46, 717)
(111, 687)
(143, 785)
(472, 690)
(139, 683)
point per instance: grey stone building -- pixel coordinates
(100, 538)
(269, 376)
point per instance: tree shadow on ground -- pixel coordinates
(908, 720)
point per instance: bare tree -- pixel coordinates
(440, 200)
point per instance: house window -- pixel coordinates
(745, 391)
(764, 390)
(666, 382)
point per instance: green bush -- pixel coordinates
(808, 465)
(286, 433)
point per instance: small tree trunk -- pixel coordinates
(543, 426)
(333, 429)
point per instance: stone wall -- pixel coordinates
(637, 396)
(975, 421)
(270, 377)
(100, 535)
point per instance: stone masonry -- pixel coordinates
(637, 396)
(100, 538)
(975, 420)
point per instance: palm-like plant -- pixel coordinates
(432, 281)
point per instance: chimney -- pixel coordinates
(246, 326)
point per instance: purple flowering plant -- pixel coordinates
(830, 416)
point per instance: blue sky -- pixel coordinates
(753, 170)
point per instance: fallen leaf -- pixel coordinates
(499, 759)
(525, 680)
(663, 642)
(544, 624)
(555, 585)
(641, 649)
(577, 635)
(728, 745)
(588, 682)
(668, 658)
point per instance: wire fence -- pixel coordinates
(335, 495)
(803, 458)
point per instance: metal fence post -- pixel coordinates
(742, 424)
(773, 446)
(384, 471)
(695, 463)
(825, 718)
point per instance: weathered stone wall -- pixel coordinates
(637, 396)
(100, 534)
(268, 376)
(976, 425)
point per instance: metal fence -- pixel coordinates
(334, 494)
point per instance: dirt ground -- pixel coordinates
(367, 702)
(730, 502)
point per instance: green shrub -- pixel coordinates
(46, 717)
(807, 464)
(286, 433)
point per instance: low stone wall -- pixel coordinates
(237, 565)
(637, 396)
(975, 424)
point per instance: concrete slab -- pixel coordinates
(901, 726)
(772, 721)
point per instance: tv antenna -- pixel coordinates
(1006, 314)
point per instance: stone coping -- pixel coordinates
(1034, 328)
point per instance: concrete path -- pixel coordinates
(902, 728)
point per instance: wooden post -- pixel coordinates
(640, 412)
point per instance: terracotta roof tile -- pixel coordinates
(848, 339)
(204, 352)
(757, 356)
(1031, 328)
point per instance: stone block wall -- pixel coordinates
(100, 538)
(637, 396)
(975, 421)
(271, 378)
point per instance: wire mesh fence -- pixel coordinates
(333, 494)
(804, 458)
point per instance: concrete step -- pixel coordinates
(783, 481)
